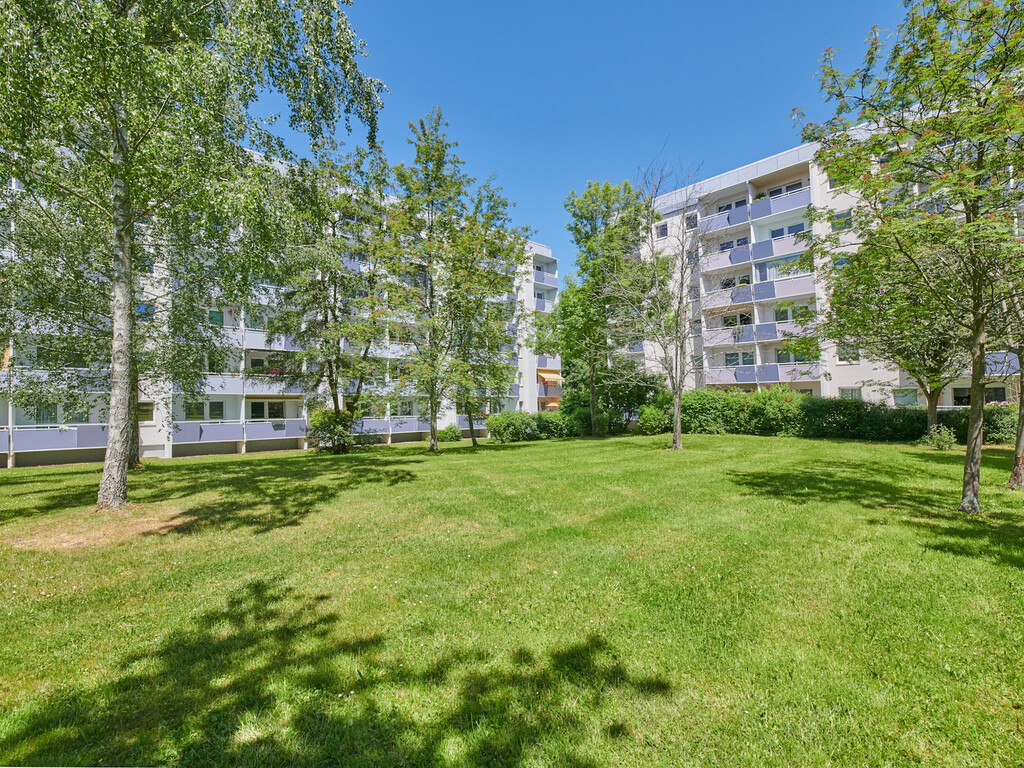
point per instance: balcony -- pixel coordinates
(782, 246)
(545, 278)
(479, 422)
(268, 385)
(721, 337)
(273, 429)
(725, 259)
(776, 331)
(741, 294)
(742, 374)
(207, 432)
(220, 384)
(790, 201)
(543, 305)
(372, 426)
(409, 424)
(53, 437)
(549, 390)
(257, 339)
(549, 361)
(725, 219)
(789, 372)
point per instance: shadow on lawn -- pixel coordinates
(993, 535)
(260, 493)
(259, 682)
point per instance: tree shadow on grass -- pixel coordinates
(261, 493)
(266, 680)
(993, 535)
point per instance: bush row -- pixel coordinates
(781, 411)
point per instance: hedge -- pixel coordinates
(781, 411)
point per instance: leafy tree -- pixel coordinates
(339, 289)
(139, 112)
(461, 258)
(926, 140)
(874, 308)
(649, 295)
(606, 224)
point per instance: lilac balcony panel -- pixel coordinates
(219, 433)
(764, 291)
(186, 432)
(44, 439)
(794, 286)
(745, 374)
(801, 198)
(768, 373)
(373, 426)
(265, 430)
(766, 332)
(92, 435)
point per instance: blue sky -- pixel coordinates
(548, 95)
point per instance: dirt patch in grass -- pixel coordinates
(97, 528)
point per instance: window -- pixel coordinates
(691, 221)
(808, 392)
(794, 186)
(216, 317)
(850, 393)
(832, 183)
(694, 292)
(258, 362)
(662, 231)
(146, 413)
(693, 257)
(995, 395)
(255, 321)
(785, 357)
(775, 234)
(403, 408)
(842, 221)
(194, 412)
(788, 313)
(725, 245)
(77, 417)
(792, 229)
(730, 321)
(696, 328)
(728, 282)
(275, 410)
(145, 312)
(257, 410)
(743, 280)
(848, 353)
(775, 192)
(740, 241)
(735, 359)
(216, 409)
(698, 363)
(725, 207)
(784, 266)
(961, 395)
(45, 414)
(904, 398)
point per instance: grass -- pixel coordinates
(748, 601)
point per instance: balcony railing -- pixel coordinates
(207, 431)
(741, 294)
(549, 390)
(549, 361)
(545, 278)
(789, 201)
(56, 437)
(725, 219)
(543, 305)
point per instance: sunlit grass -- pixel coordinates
(749, 601)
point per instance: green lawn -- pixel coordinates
(746, 602)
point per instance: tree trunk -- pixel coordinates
(433, 426)
(113, 490)
(593, 402)
(472, 429)
(677, 419)
(1017, 473)
(134, 459)
(933, 396)
(969, 501)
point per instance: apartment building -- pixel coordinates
(244, 407)
(747, 296)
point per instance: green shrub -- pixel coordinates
(616, 422)
(330, 432)
(940, 438)
(513, 427)
(654, 419)
(450, 434)
(774, 411)
(1000, 423)
(601, 424)
(556, 424)
(701, 411)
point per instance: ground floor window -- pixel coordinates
(905, 398)
(194, 412)
(850, 393)
(995, 395)
(961, 395)
(145, 413)
(217, 409)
